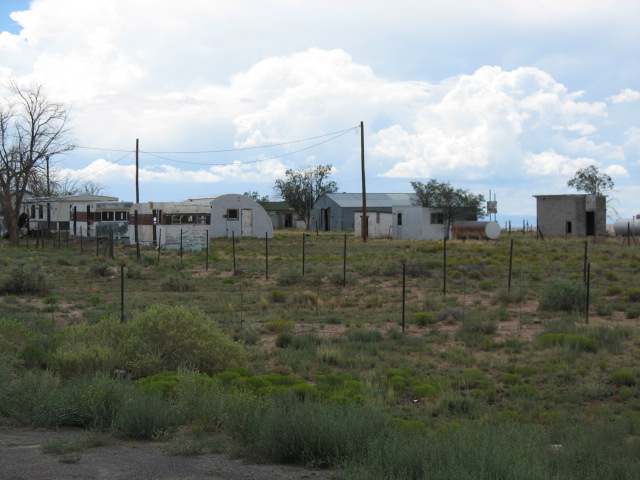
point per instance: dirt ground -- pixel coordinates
(22, 457)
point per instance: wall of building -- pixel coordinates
(380, 224)
(416, 223)
(560, 215)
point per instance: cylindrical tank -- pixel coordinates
(480, 230)
(624, 226)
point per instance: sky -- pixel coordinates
(499, 97)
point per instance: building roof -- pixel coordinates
(374, 200)
(570, 195)
(74, 198)
(276, 206)
(202, 198)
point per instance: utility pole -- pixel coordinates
(365, 219)
(137, 187)
(48, 184)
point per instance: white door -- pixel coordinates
(247, 222)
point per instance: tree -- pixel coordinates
(591, 181)
(456, 204)
(256, 196)
(301, 189)
(57, 186)
(32, 130)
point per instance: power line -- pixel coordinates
(197, 152)
(105, 167)
(343, 132)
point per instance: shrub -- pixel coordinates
(424, 390)
(314, 434)
(280, 325)
(576, 341)
(287, 279)
(522, 391)
(145, 415)
(177, 282)
(84, 350)
(14, 337)
(134, 271)
(449, 314)
(24, 278)
(633, 295)
(613, 290)
(362, 335)
(424, 318)
(164, 384)
(160, 338)
(181, 335)
(511, 378)
(284, 339)
(562, 295)
(100, 269)
(93, 402)
(37, 400)
(306, 341)
(277, 296)
(623, 377)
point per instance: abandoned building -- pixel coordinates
(577, 215)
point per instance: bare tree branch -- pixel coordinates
(32, 130)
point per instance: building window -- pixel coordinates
(378, 217)
(568, 226)
(437, 218)
(233, 214)
(107, 216)
(33, 211)
(121, 216)
(40, 211)
(399, 219)
(188, 219)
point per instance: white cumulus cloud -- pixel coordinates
(625, 96)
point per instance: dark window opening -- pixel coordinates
(121, 216)
(107, 216)
(437, 218)
(399, 219)
(233, 214)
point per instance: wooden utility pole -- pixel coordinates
(365, 219)
(137, 187)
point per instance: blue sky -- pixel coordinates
(224, 97)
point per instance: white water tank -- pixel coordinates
(468, 229)
(624, 226)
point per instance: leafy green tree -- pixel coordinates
(256, 196)
(301, 189)
(591, 181)
(455, 203)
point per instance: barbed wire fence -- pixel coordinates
(325, 279)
